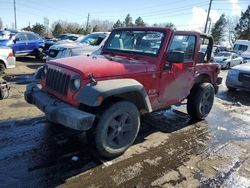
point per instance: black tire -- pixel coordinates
(200, 101)
(39, 54)
(231, 88)
(2, 68)
(228, 66)
(112, 139)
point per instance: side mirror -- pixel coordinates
(175, 57)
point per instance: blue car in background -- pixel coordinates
(23, 43)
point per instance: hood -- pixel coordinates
(243, 67)
(72, 45)
(103, 66)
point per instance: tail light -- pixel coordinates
(10, 54)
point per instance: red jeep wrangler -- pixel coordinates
(140, 70)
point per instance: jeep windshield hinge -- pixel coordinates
(92, 79)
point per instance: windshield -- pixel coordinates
(240, 47)
(93, 39)
(223, 55)
(68, 37)
(147, 42)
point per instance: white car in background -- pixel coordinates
(246, 56)
(7, 59)
(239, 77)
(85, 46)
(227, 59)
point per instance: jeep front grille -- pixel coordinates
(57, 81)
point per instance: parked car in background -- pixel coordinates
(48, 43)
(7, 59)
(217, 49)
(68, 36)
(246, 56)
(239, 77)
(241, 46)
(86, 46)
(227, 59)
(24, 43)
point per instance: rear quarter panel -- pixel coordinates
(210, 69)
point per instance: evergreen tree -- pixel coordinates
(218, 29)
(39, 28)
(242, 29)
(28, 28)
(170, 25)
(58, 30)
(96, 28)
(139, 22)
(128, 21)
(117, 24)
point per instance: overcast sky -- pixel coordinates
(185, 14)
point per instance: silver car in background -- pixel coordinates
(239, 77)
(85, 46)
(7, 59)
(227, 60)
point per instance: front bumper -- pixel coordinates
(58, 111)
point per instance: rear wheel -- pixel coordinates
(2, 68)
(200, 101)
(117, 129)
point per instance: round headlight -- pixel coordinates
(75, 84)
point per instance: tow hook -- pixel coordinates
(4, 90)
(92, 79)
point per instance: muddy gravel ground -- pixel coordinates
(170, 151)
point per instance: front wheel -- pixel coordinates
(117, 129)
(200, 101)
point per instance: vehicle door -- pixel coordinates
(20, 42)
(31, 43)
(177, 78)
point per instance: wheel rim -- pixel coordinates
(206, 102)
(120, 130)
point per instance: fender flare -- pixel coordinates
(3, 62)
(90, 94)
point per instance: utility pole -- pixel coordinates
(87, 24)
(209, 26)
(15, 13)
(46, 24)
(208, 13)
